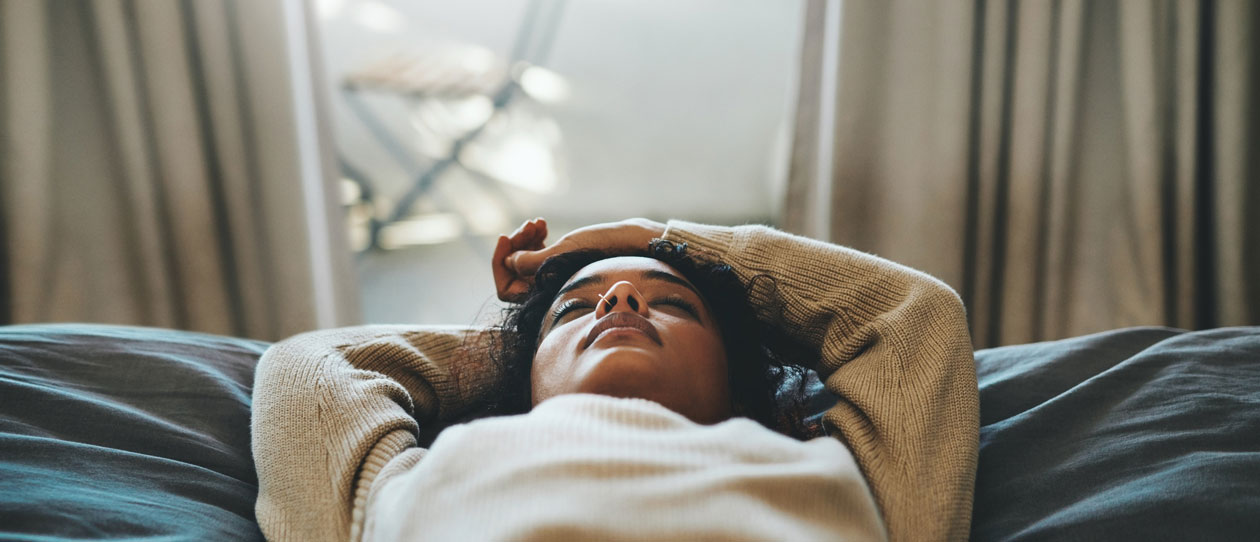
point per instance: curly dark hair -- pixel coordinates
(764, 387)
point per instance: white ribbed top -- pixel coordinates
(593, 467)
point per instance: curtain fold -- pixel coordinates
(1067, 166)
(158, 168)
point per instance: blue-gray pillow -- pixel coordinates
(1131, 434)
(125, 432)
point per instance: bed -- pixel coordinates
(1143, 433)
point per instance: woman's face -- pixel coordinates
(633, 327)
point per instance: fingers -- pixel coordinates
(502, 274)
(518, 256)
(511, 281)
(540, 231)
(527, 262)
(530, 235)
(519, 231)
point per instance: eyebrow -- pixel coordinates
(649, 274)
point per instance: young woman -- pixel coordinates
(637, 401)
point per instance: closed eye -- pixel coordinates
(567, 307)
(577, 304)
(678, 302)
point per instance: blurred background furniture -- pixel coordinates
(455, 93)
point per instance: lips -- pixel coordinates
(622, 319)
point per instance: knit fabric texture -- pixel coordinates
(336, 412)
(592, 467)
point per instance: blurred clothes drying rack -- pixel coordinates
(446, 85)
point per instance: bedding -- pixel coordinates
(1133, 434)
(1137, 433)
(112, 432)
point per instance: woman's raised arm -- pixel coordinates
(892, 343)
(336, 413)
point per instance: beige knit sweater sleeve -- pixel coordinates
(893, 344)
(331, 408)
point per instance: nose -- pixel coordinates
(622, 296)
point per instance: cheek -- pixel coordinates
(704, 378)
(707, 352)
(553, 363)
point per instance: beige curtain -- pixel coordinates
(164, 164)
(1067, 166)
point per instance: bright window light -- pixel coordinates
(379, 17)
(329, 9)
(424, 230)
(519, 160)
(544, 85)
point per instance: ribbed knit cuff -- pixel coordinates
(438, 365)
(711, 242)
(460, 371)
(380, 455)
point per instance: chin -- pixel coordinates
(624, 372)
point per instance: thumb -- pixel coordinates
(527, 262)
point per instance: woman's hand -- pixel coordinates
(518, 256)
(528, 237)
